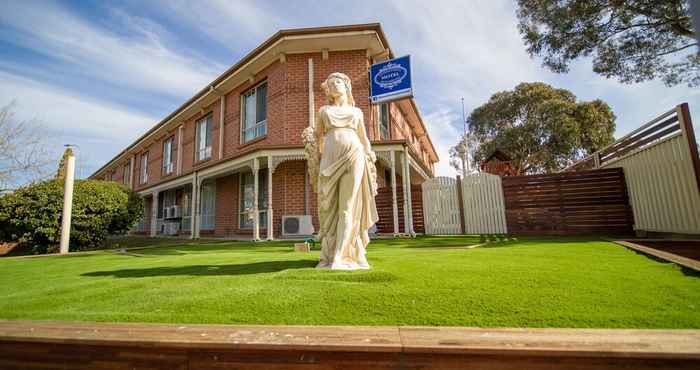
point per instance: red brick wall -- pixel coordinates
(287, 116)
(226, 205)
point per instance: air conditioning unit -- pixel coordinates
(171, 228)
(297, 226)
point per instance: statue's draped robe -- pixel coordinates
(345, 190)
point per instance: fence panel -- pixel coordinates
(441, 206)
(484, 208)
(585, 202)
(662, 170)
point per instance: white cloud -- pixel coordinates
(100, 129)
(140, 60)
(231, 23)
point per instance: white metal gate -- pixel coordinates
(441, 206)
(484, 208)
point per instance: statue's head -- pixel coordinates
(336, 85)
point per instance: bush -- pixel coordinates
(32, 215)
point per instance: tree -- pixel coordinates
(462, 154)
(631, 40)
(543, 129)
(23, 150)
(32, 214)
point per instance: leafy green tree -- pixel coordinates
(542, 128)
(32, 214)
(631, 40)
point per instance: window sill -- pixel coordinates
(253, 141)
(200, 161)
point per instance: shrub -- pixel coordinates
(32, 215)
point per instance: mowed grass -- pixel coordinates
(529, 282)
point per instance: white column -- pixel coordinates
(196, 212)
(407, 164)
(405, 198)
(193, 213)
(67, 204)
(270, 231)
(178, 167)
(394, 203)
(222, 105)
(132, 162)
(256, 217)
(154, 213)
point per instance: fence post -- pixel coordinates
(687, 128)
(460, 200)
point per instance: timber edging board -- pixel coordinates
(679, 260)
(56, 344)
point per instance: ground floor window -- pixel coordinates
(206, 206)
(246, 199)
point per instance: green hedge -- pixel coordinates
(32, 215)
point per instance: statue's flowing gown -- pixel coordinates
(346, 194)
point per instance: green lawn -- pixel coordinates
(530, 282)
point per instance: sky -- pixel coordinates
(100, 74)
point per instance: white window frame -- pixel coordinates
(167, 166)
(143, 177)
(385, 134)
(204, 153)
(207, 215)
(127, 174)
(259, 129)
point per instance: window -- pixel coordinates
(204, 127)
(254, 117)
(168, 149)
(246, 197)
(113, 176)
(206, 206)
(144, 168)
(387, 177)
(127, 174)
(384, 121)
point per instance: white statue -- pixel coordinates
(342, 172)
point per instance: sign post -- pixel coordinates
(67, 203)
(391, 80)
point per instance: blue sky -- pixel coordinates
(100, 74)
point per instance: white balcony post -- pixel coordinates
(394, 203)
(407, 164)
(270, 234)
(193, 204)
(256, 217)
(154, 213)
(67, 204)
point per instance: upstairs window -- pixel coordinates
(254, 106)
(384, 121)
(144, 168)
(204, 133)
(168, 149)
(127, 174)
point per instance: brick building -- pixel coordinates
(234, 150)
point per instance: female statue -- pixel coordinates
(341, 166)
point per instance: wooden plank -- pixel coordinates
(585, 202)
(83, 345)
(680, 260)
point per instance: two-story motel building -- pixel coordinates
(234, 153)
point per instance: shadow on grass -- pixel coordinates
(208, 270)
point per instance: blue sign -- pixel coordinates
(390, 80)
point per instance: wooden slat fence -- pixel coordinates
(584, 202)
(484, 211)
(662, 170)
(441, 206)
(385, 225)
